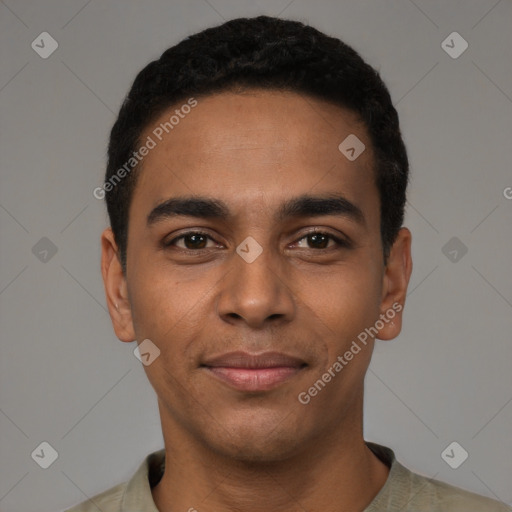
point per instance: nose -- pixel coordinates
(256, 293)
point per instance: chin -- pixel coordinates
(257, 442)
(260, 451)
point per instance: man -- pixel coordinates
(256, 187)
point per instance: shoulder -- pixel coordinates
(135, 494)
(429, 494)
(407, 491)
(107, 501)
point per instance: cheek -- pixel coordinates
(341, 303)
(171, 314)
(174, 308)
(162, 305)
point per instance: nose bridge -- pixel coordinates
(254, 290)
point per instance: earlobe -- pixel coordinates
(390, 322)
(395, 282)
(114, 282)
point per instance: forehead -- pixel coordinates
(257, 146)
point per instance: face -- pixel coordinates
(254, 262)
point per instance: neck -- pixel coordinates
(336, 471)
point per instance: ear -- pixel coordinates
(116, 290)
(395, 282)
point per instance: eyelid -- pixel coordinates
(169, 243)
(339, 240)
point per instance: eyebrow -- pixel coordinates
(302, 206)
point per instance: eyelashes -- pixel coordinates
(194, 235)
(321, 236)
(198, 241)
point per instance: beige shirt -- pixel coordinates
(403, 491)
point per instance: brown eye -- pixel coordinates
(319, 240)
(190, 241)
(195, 241)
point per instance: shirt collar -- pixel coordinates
(137, 495)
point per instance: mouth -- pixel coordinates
(254, 372)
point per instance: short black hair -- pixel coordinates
(268, 53)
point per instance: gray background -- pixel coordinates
(64, 376)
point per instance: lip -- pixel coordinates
(254, 372)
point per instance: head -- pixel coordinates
(271, 54)
(242, 126)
